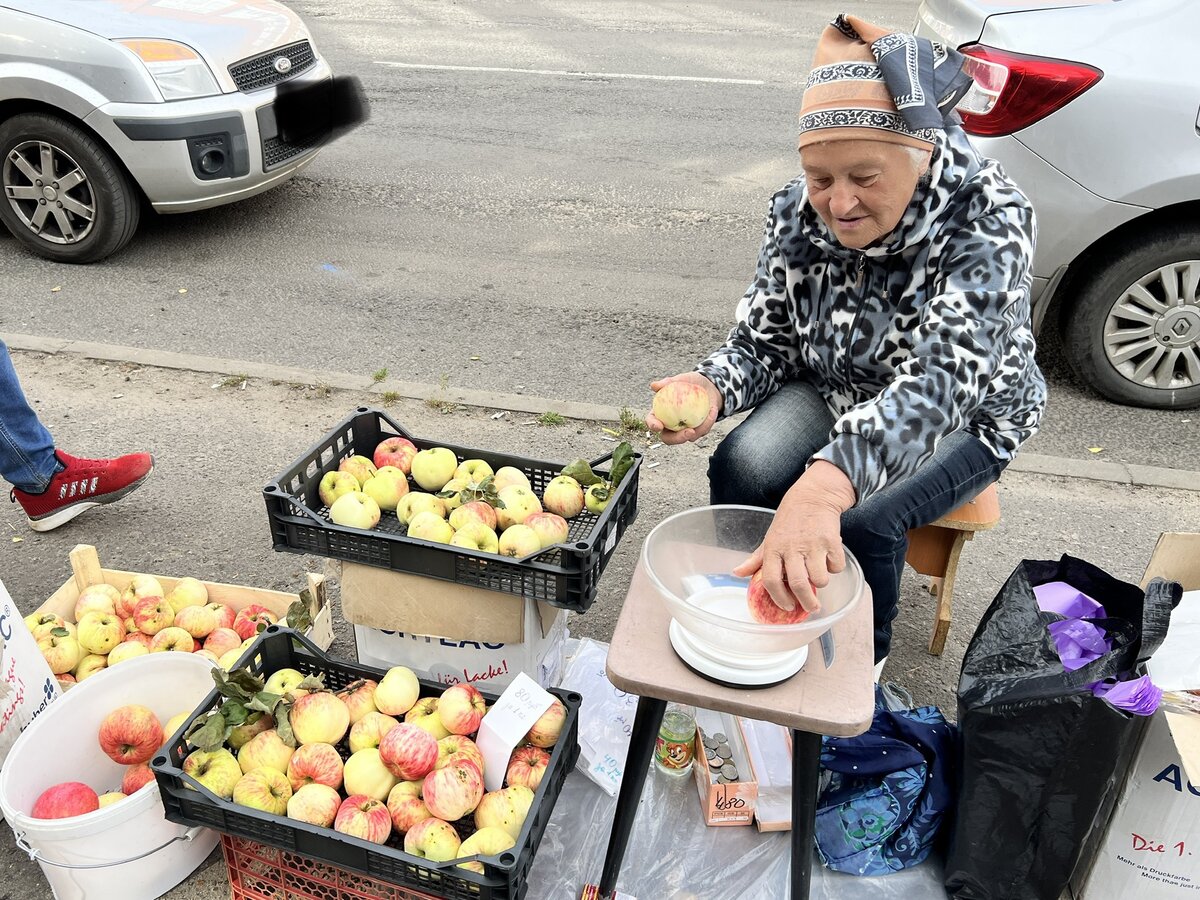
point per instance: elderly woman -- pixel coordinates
(884, 345)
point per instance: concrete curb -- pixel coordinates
(1031, 463)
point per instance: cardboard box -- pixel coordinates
(1151, 847)
(85, 566)
(448, 632)
(27, 686)
(723, 804)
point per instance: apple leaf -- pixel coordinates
(243, 678)
(60, 632)
(283, 724)
(312, 683)
(622, 461)
(299, 615)
(477, 490)
(208, 733)
(234, 712)
(581, 472)
(264, 701)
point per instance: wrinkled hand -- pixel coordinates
(804, 542)
(684, 435)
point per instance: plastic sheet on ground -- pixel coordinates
(672, 853)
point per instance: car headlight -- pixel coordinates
(177, 69)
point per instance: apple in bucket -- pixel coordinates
(62, 801)
(130, 734)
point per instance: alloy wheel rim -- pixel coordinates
(1152, 331)
(49, 192)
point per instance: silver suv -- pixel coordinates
(106, 102)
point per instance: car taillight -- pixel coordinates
(1012, 91)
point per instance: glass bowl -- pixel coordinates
(689, 558)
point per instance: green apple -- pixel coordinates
(595, 499)
(429, 526)
(217, 770)
(387, 487)
(365, 773)
(507, 476)
(265, 790)
(355, 510)
(563, 496)
(476, 536)
(358, 466)
(398, 691)
(518, 541)
(415, 502)
(282, 681)
(473, 470)
(334, 485)
(519, 504)
(454, 501)
(432, 468)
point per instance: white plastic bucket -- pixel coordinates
(128, 849)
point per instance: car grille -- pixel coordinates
(259, 72)
(277, 152)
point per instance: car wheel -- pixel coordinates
(65, 197)
(1133, 331)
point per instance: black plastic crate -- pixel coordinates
(565, 575)
(504, 876)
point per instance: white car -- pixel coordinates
(107, 104)
(1093, 108)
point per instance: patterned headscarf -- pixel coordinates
(869, 83)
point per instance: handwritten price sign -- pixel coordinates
(507, 723)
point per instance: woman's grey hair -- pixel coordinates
(921, 159)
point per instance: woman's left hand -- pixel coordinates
(804, 542)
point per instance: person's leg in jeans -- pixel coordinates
(27, 458)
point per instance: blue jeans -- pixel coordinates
(763, 457)
(27, 459)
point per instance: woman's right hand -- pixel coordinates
(684, 435)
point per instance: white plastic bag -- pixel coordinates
(605, 717)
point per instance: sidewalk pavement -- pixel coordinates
(218, 439)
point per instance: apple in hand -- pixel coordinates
(216, 769)
(263, 789)
(476, 536)
(319, 718)
(130, 734)
(397, 692)
(355, 510)
(548, 727)
(406, 807)
(518, 541)
(369, 730)
(563, 496)
(62, 801)
(461, 708)
(432, 839)
(395, 451)
(681, 404)
(489, 841)
(408, 751)
(453, 791)
(358, 466)
(526, 766)
(432, 468)
(314, 803)
(364, 817)
(519, 504)
(475, 511)
(550, 528)
(507, 476)
(428, 526)
(335, 484)
(766, 611)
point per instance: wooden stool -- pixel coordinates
(933, 550)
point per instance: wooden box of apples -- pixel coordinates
(368, 770)
(100, 617)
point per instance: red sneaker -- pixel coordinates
(84, 483)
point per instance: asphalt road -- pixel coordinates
(556, 198)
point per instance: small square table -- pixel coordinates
(838, 701)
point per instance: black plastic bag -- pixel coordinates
(1040, 753)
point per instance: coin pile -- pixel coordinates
(720, 758)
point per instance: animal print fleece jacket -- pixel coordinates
(922, 334)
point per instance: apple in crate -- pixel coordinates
(248, 618)
(152, 614)
(432, 468)
(453, 487)
(366, 773)
(315, 764)
(681, 404)
(221, 640)
(406, 807)
(364, 817)
(137, 777)
(518, 541)
(520, 503)
(283, 681)
(550, 528)
(506, 809)
(387, 488)
(263, 789)
(127, 650)
(548, 727)
(90, 665)
(257, 723)
(429, 526)
(334, 485)
(453, 791)
(139, 588)
(316, 804)
(475, 511)
(461, 708)
(61, 651)
(507, 476)
(424, 716)
(224, 612)
(187, 592)
(408, 751)
(319, 718)
(130, 734)
(369, 730)
(99, 632)
(473, 470)
(485, 842)
(766, 611)
(358, 466)
(217, 770)
(359, 697)
(414, 503)
(432, 839)
(355, 510)
(173, 640)
(62, 801)
(526, 766)
(397, 691)
(198, 621)
(265, 750)
(476, 536)
(454, 747)
(394, 451)
(101, 598)
(563, 496)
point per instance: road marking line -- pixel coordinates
(564, 72)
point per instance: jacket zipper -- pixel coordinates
(860, 268)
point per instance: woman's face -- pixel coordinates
(860, 188)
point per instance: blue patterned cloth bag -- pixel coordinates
(888, 790)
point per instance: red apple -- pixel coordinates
(359, 697)
(364, 817)
(139, 637)
(461, 708)
(526, 766)
(766, 611)
(130, 734)
(152, 614)
(548, 727)
(221, 640)
(454, 747)
(247, 620)
(198, 621)
(395, 451)
(316, 804)
(315, 763)
(406, 807)
(225, 613)
(453, 791)
(62, 801)
(136, 777)
(408, 751)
